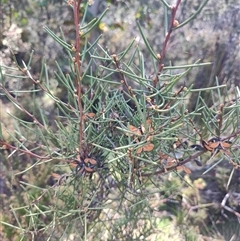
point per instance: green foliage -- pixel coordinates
(104, 156)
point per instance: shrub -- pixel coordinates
(100, 156)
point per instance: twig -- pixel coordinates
(190, 158)
(77, 67)
(175, 95)
(220, 119)
(20, 106)
(161, 57)
(223, 205)
(123, 79)
(6, 145)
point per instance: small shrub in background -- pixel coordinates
(102, 157)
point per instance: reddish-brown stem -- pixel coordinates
(14, 100)
(8, 146)
(26, 72)
(220, 119)
(222, 139)
(123, 79)
(160, 63)
(231, 136)
(175, 95)
(195, 129)
(190, 158)
(77, 67)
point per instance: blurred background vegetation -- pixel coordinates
(213, 36)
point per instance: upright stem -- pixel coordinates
(77, 67)
(160, 63)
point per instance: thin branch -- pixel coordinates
(20, 106)
(77, 67)
(161, 57)
(123, 79)
(6, 145)
(175, 95)
(188, 159)
(223, 205)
